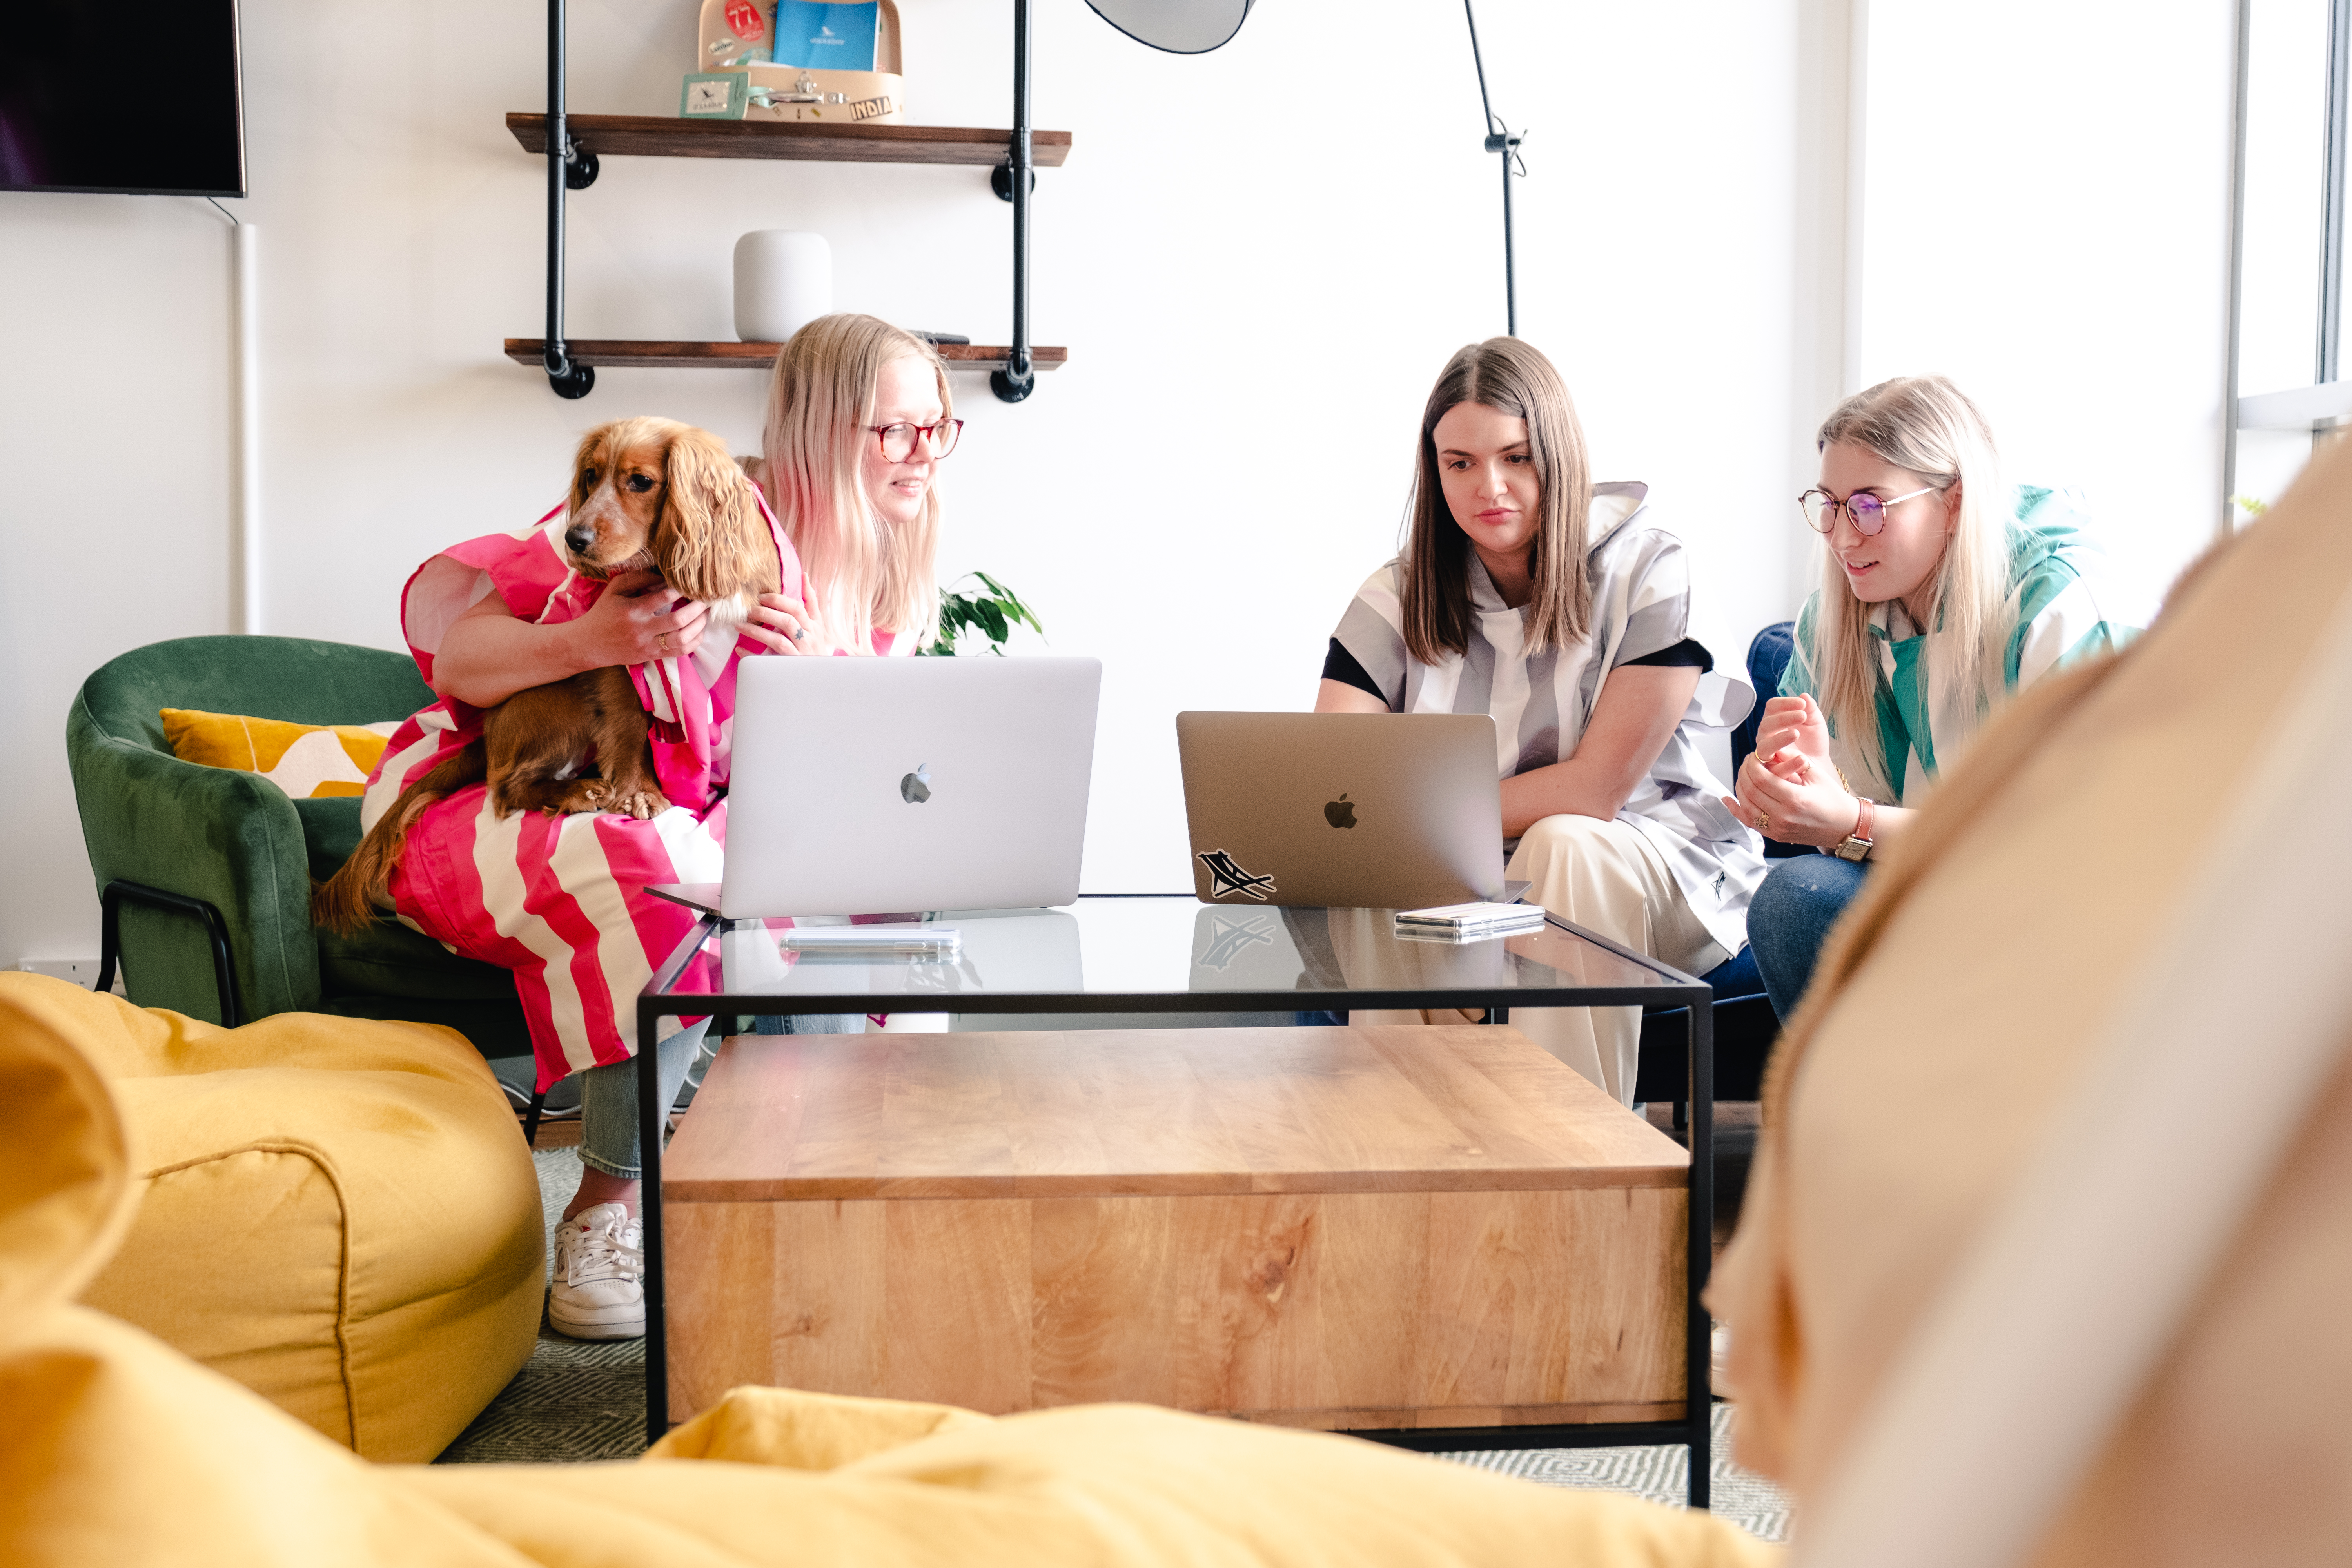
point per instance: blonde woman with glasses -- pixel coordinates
(858, 418)
(1943, 593)
(860, 413)
(1559, 607)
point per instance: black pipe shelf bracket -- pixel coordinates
(579, 166)
(1018, 379)
(567, 379)
(571, 167)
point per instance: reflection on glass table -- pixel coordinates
(1312, 950)
(1152, 947)
(1029, 951)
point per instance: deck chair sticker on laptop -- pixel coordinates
(1225, 878)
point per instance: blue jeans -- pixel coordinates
(608, 1094)
(608, 1101)
(1791, 916)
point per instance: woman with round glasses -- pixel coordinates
(1943, 593)
(1558, 607)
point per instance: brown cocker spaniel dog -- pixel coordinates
(646, 495)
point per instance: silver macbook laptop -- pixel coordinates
(1368, 810)
(867, 784)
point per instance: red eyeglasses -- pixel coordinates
(898, 441)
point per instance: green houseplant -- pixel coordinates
(991, 609)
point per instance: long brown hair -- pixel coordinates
(1926, 425)
(820, 401)
(1506, 374)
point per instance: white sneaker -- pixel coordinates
(598, 1291)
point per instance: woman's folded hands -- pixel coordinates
(1789, 789)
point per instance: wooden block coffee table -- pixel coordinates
(1348, 1228)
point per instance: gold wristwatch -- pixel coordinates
(1857, 843)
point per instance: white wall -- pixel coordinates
(1258, 259)
(2047, 222)
(115, 435)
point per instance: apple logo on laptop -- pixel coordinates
(916, 787)
(1340, 813)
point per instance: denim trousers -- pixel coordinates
(1790, 918)
(608, 1094)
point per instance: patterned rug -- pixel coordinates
(575, 1400)
(1661, 1475)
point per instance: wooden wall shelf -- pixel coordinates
(574, 155)
(639, 353)
(658, 136)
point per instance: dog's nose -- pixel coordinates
(580, 538)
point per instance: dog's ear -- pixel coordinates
(710, 540)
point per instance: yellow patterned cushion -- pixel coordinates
(301, 758)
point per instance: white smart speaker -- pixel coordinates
(784, 281)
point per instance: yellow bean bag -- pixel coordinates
(118, 1450)
(337, 1213)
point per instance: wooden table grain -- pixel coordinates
(1350, 1228)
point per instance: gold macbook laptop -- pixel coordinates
(1360, 810)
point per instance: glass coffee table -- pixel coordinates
(1155, 954)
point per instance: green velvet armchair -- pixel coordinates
(205, 873)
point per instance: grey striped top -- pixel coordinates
(1641, 604)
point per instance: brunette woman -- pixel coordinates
(1558, 605)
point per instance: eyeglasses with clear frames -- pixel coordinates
(1866, 511)
(898, 440)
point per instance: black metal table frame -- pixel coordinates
(1694, 1430)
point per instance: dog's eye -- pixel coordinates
(639, 483)
(587, 478)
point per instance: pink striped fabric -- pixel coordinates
(562, 901)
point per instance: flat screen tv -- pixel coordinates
(140, 99)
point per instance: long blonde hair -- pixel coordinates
(1507, 375)
(1925, 425)
(864, 572)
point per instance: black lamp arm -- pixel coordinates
(1502, 139)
